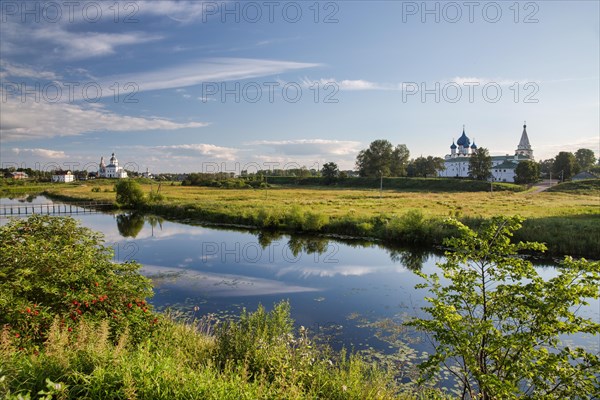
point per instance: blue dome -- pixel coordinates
(463, 140)
(474, 146)
(453, 146)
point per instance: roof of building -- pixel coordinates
(524, 142)
(506, 165)
(584, 175)
(463, 140)
(454, 146)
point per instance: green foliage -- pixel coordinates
(585, 158)
(565, 165)
(155, 197)
(55, 270)
(330, 172)
(426, 166)
(129, 193)
(527, 172)
(480, 164)
(587, 186)
(382, 159)
(496, 325)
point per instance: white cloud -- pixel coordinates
(24, 71)
(60, 43)
(43, 153)
(311, 146)
(346, 84)
(179, 10)
(199, 149)
(34, 120)
(205, 71)
(80, 45)
(591, 143)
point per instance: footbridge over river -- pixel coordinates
(80, 207)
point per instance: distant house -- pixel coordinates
(19, 175)
(584, 175)
(505, 171)
(147, 174)
(63, 177)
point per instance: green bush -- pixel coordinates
(129, 193)
(54, 269)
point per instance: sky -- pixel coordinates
(226, 86)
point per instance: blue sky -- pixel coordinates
(206, 86)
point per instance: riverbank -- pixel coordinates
(567, 222)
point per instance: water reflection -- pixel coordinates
(130, 225)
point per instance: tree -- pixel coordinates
(585, 159)
(330, 172)
(425, 167)
(496, 324)
(376, 160)
(382, 159)
(129, 193)
(565, 165)
(546, 167)
(399, 162)
(480, 164)
(527, 172)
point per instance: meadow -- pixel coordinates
(568, 221)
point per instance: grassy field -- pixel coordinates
(360, 203)
(567, 220)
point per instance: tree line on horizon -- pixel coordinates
(383, 159)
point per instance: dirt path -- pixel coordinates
(544, 185)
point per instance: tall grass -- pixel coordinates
(258, 357)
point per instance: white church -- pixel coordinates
(503, 167)
(112, 170)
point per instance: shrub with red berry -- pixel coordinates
(54, 268)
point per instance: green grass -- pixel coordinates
(588, 186)
(402, 184)
(258, 357)
(566, 222)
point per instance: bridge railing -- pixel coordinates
(8, 210)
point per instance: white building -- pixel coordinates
(63, 176)
(112, 170)
(503, 167)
